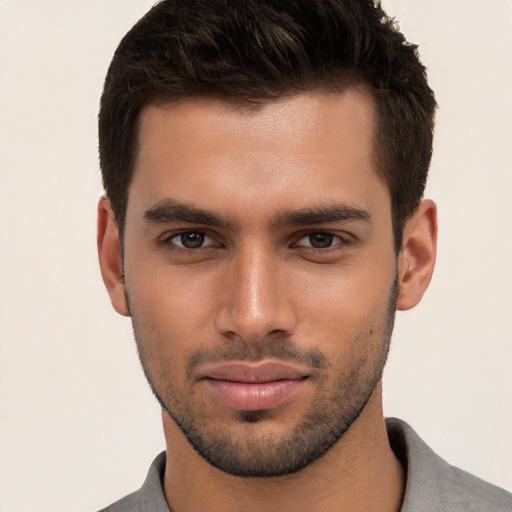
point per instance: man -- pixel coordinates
(264, 166)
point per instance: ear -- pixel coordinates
(109, 253)
(418, 255)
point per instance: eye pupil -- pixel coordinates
(192, 240)
(321, 240)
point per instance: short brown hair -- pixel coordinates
(254, 51)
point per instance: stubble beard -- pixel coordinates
(265, 453)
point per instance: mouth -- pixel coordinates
(247, 386)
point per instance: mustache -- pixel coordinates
(239, 350)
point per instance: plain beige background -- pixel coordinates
(78, 424)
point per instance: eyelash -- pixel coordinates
(343, 241)
(168, 241)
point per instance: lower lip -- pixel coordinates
(254, 396)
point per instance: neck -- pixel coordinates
(359, 473)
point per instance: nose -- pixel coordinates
(255, 299)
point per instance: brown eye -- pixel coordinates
(321, 240)
(191, 239)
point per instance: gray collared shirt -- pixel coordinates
(432, 484)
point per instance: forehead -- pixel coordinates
(314, 119)
(309, 147)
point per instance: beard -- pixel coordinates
(341, 394)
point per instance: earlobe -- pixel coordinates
(417, 256)
(110, 258)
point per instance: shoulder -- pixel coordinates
(475, 494)
(433, 484)
(150, 497)
(130, 503)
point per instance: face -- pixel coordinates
(260, 273)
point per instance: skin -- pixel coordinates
(255, 283)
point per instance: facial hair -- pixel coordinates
(341, 395)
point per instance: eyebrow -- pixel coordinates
(168, 211)
(321, 214)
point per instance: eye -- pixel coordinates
(190, 240)
(320, 240)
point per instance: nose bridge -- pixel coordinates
(255, 302)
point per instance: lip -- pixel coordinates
(257, 386)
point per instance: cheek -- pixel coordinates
(343, 306)
(170, 302)
(166, 327)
